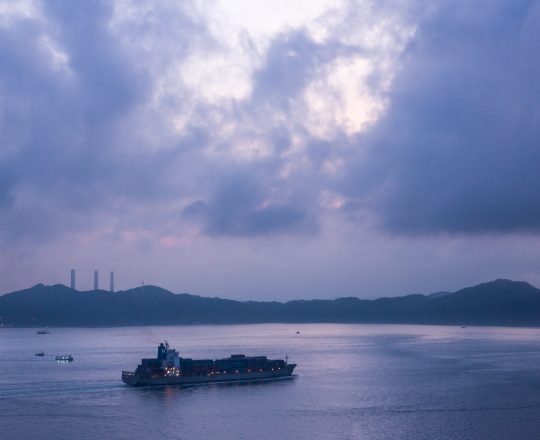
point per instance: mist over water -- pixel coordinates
(353, 382)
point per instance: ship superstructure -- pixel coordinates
(168, 368)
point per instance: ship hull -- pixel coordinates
(133, 379)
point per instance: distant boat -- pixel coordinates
(297, 333)
(40, 353)
(64, 358)
(43, 332)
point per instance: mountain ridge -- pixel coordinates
(498, 302)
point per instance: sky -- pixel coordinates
(270, 149)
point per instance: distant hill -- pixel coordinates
(439, 294)
(500, 302)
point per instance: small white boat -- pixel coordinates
(64, 358)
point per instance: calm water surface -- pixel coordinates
(353, 382)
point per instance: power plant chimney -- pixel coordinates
(96, 280)
(72, 284)
(112, 281)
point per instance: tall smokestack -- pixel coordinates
(96, 280)
(72, 284)
(112, 281)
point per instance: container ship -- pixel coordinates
(171, 369)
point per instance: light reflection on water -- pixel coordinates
(354, 381)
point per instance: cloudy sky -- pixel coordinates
(270, 149)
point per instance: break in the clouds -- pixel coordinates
(332, 131)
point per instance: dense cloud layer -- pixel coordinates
(459, 148)
(164, 123)
(75, 123)
(102, 113)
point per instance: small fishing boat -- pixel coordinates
(64, 358)
(43, 332)
(40, 353)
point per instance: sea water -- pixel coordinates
(352, 382)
